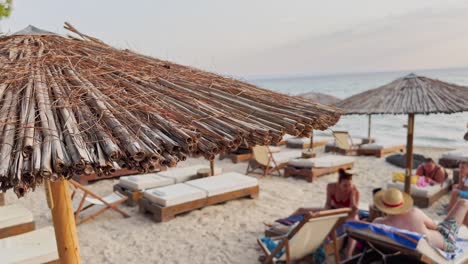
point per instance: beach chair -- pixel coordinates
(390, 242)
(166, 202)
(450, 159)
(380, 149)
(312, 168)
(89, 200)
(267, 161)
(306, 237)
(37, 246)
(15, 219)
(343, 144)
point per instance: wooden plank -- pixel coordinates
(132, 196)
(16, 230)
(2, 198)
(311, 173)
(85, 179)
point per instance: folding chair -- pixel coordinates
(344, 143)
(111, 201)
(263, 159)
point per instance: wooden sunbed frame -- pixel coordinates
(84, 179)
(16, 229)
(310, 174)
(380, 152)
(165, 213)
(425, 202)
(132, 196)
(236, 157)
(317, 143)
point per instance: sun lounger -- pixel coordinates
(244, 154)
(424, 196)
(90, 200)
(166, 202)
(133, 186)
(304, 142)
(306, 237)
(451, 158)
(315, 167)
(284, 140)
(268, 161)
(379, 149)
(343, 143)
(37, 246)
(389, 241)
(14, 220)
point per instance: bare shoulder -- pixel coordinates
(331, 186)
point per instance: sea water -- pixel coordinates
(438, 130)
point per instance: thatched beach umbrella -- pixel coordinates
(72, 106)
(410, 95)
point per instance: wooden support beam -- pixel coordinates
(64, 222)
(2, 198)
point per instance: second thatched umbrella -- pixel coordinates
(410, 95)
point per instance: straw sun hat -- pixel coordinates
(392, 201)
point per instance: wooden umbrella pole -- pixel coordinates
(369, 129)
(409, 153)
(64, 222)
(212, 167)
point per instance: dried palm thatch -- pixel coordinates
(72, 106)
(409, 94)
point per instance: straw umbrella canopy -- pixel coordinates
(75, 105)
(410, 95)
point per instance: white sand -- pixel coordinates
(223, 233)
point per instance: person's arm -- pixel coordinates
(428, 222)
(439, 176)
(420, 171)
(354, 198)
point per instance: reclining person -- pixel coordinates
(434, 173)
(460, 190)
(401, 214)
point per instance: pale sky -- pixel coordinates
(269, 38)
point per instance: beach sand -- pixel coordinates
(224, 233)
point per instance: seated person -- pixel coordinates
(341, 194)
(434, 173)
(401, 214)
(460, 189)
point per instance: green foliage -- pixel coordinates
(5, 8)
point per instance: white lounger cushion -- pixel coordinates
(458, 154)
(285, 156)
(419, 191)
(145, 181)
(321, 162)
(174, 194)
(37, 246)
(15, 214)
(226, 182)
(182, 174)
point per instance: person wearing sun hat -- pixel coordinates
(398, 207)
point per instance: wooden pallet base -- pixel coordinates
(380, 152)
(85, 179)
(133, 196)
(236, 158)
(165, 213)
(310, 174)
(16, 230)
(425, 202)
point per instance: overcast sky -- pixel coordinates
(269, 38)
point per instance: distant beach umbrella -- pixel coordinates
(410, 95)
(73, 106)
